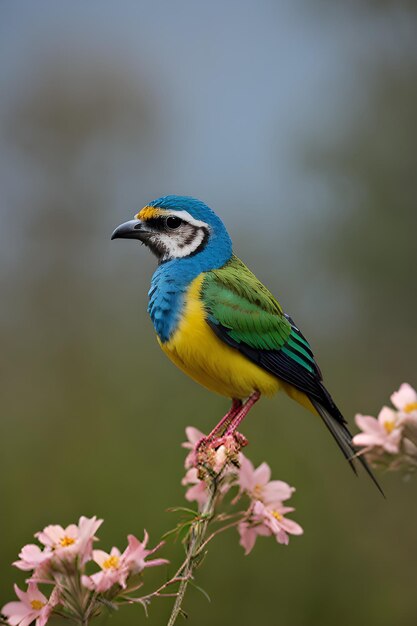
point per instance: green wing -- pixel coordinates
(243, 312)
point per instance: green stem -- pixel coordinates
(196, 539)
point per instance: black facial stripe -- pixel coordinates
(157, 247)
(156, 223)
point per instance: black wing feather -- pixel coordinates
(290, 371)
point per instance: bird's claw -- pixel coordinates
(205, 448)
(240, 439)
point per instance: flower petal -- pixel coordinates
(291, 527)
(15, 609)
(387, 415)
(277, 491)
(405, 395)
(99, 556)
(247, 537)
(22, 595)
(262, 474)
(368, 424)
(363, 439)
(26, 621)
(246, 474)
(282, 537)
(193, 435)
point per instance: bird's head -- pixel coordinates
(177, 227)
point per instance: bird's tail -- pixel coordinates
(337, 425)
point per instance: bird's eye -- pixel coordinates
(173, 222)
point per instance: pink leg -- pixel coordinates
(228, 426)
(219, 429)
(236, 421)
(225, 422)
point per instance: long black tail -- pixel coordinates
(337, 425)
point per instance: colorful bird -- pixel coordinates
(219, 324)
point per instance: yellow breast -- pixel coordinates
(197, 350)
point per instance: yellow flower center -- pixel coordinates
(257, 491)
(409, 408)
(389, 426)
(37, 605)
(66, 541)
(277, 515)
(112, 562)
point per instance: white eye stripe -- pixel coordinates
(184, 215)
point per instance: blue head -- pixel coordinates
(180, 228)
(187, 238)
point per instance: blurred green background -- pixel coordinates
(296, 121)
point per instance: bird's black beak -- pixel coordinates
(134, 229)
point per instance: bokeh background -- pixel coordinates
(296, 121)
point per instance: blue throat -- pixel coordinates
(171, 280)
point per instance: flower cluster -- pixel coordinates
(61, 562)
(64, 558)
(266, 513)
(390, 440)
(229, 467)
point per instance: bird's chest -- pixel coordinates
(180, 322)
(197, 350)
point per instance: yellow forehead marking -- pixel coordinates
(149, 212)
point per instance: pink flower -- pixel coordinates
(71, 541)
(194, 436)
(33, 605)
(257, 484)
(136, 553)
(32, 557)
(117, 567)
(405, 399)
(266, 521)
(198, 490)
(113, 570)
(384, 432)
(249, 532)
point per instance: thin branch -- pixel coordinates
(196, 539)
(217, 532)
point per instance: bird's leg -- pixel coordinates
(227, 427)
(216, 434)
(225, 422)
(244, 410)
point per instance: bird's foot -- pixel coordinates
(240, 439)
(217, 452)
(205, 446)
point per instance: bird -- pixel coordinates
(220, 325)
